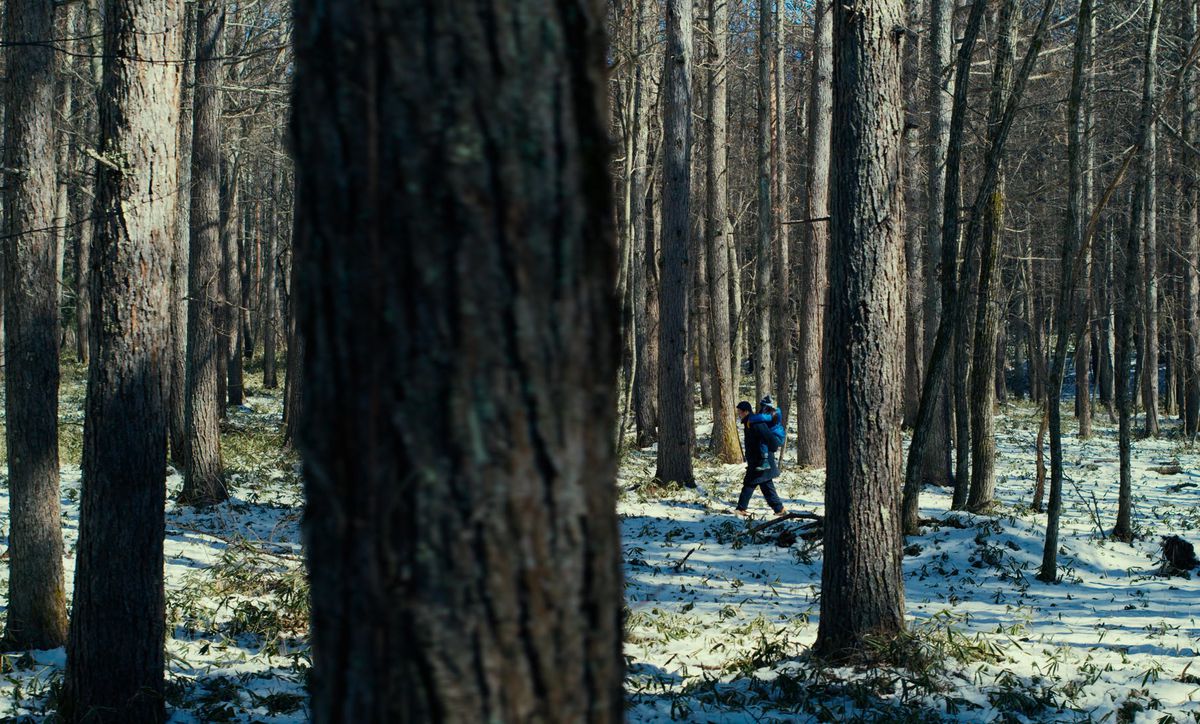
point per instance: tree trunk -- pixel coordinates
(676, 428)
(934, 464)
(645, 272)
(115, 653)
(1123, 530)
(231, 311)
(1073, 237)
(810, 390)
(764, 251)
(914, 297)
(1149, 186)
(177, 351)
(501, 601)
(725, 442)
(80, 200)
(1191, 202)
(987, 311)
(36, 613)
(202, 481)
(862, 586)
(270, 297)
(783, 329)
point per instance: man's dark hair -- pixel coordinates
(743, 405)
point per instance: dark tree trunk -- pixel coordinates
(645, 260)
(862, 586)
(1191, 224)
(231, 310)
(987, 311)
(934, 464)
(202, 481)
(1126, 306)
(501, 601)
(36, 613)
(1073, 238)
(270, 297)
(115, 653)
(1149, 186)
(675, 388)
(177, 419)
(810, 390)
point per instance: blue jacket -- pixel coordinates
(774, 422)
(757, 451)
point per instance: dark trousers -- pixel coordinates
(768, 491)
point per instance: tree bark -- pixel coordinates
(1073, 237)
(987, 310)
(675, 406)
(764, 249)
(783, 330)
(934, 464)
(231, 309)
(1149, 186)
(725, 442)
(645, 272)
(270, 296)
(115, 654)
(178, 356)
(1123, 530)
(862, 586)
(810, 390)
(914, 298)
(1191, 199)
(36, 613)
(202, 480)
(501, 601)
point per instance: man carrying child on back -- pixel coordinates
(761, 443)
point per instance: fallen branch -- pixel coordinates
(787, 516)
(679, 564)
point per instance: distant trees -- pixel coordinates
(862, 588)
(115, 655)
(426, 529)
(36, 610)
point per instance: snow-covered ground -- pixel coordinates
(724, 636)
(237, 600)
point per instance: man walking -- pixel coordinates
(761, 467)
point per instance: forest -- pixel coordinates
(599, 361)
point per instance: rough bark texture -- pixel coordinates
(810, 390)
(80, 201)
(914, 255)
(270, 296)
(115, 653)
(675, 409)
(725, 443)
(36, 613)
(862, 587)
(481, 185)
(202, 482)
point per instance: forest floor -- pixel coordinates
(237, 598)
(724, 635)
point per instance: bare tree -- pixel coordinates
(676, 429)
(36, 612)
(202, 481)
(862, 586)
(724, 434)
(810, 390)
(115, 655)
